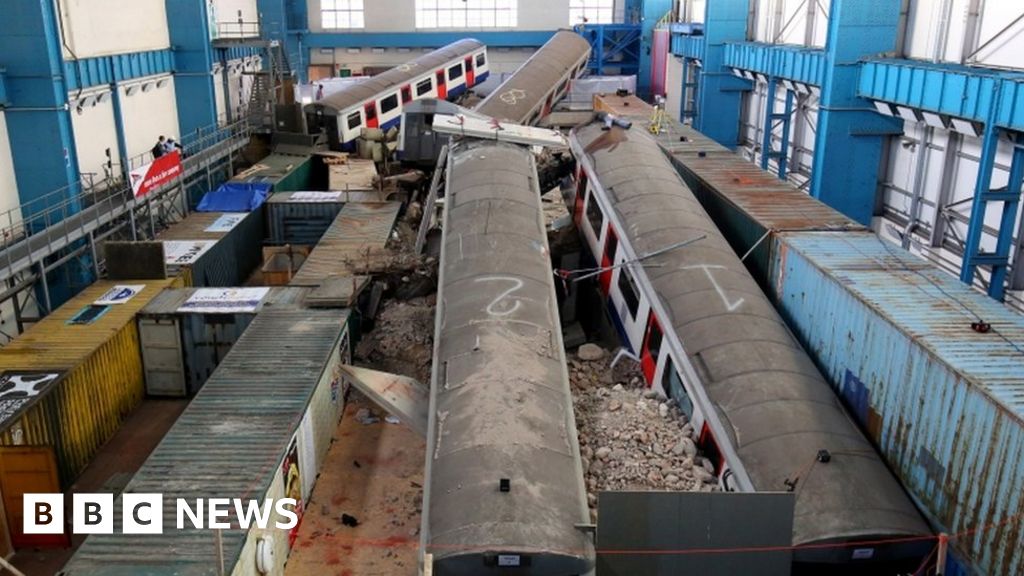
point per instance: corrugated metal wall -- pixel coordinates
(301, 223)
(103, 382)
(236, 254)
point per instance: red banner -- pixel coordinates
(155, 174)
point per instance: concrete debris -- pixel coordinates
(590, 352)
(392, 420)
(402, 341)
(631, 438)
(365, 417)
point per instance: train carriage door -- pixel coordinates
(581, 196)
(442, 85)
(469, 72)
(28, 470)
(611, 246)
(547, 105)
(651, 349)
(406, 94)
(371, 115)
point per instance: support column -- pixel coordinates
(189, 24)
(286, 21)
(720, 91)
(38, 118)
(651, 11)
(850, 135)
(770, 117)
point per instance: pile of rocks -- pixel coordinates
(402, 338)
(631, 437)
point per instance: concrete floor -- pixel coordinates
(384, 492)
(110, 471)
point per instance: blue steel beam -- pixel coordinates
(38, 119)
(797, 63)
(688, 46)
(189, 26)
(104, 70)
(845, 168)
(718, 108)
(950, 89)
(3, 87)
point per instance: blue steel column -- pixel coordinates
(846, 157)
(651, 11)
(189, 26)
(38, 118)
(770, 117)
(719, 91)
(285, 21)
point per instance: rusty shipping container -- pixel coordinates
(301, 218)
(944, 402)
(184, 341)
(215, 248)
(96, 347)
(260, 428)
(360, 231)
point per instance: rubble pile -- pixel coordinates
(402, 340)
(631, 437)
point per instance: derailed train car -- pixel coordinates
(529, 93)
(708, 337)
(377, 101)
(504, 481)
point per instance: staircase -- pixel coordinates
(268, 87)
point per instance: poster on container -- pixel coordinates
(119, 294)
(227, 222)
(307, 455)
(224, 300)
(19, 390)
(150, 176)
(291, 477)
(184, 252)
(310, 197)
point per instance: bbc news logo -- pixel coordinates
(144, 514)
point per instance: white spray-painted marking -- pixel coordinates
(492, 308)
(707, 268)
(513, 96)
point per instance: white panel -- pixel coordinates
(8, 184)
(1006, 49)
(227, 13)
(218, 94)
(674, 86)
(148, 115)
(95, 132)
(104, 27)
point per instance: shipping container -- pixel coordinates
(186, 332)
(214, 248)
(933, 371)
(95, 345)
(259, 429)
(360, 232)
(301, 218)
(284, 172)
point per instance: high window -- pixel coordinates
(591, 12)
(466, 13)
(342, 13)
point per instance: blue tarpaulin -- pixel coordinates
(235, 197)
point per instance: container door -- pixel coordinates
(442, 85)
(28, 470)
(470, 77)
(162, 358)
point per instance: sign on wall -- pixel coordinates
(147, 177)
(183, 252)
(119, 294)
(19, 390)
(227, 222)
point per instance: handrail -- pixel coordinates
(38, 215)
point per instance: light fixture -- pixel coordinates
(161, 83)
(131, 90)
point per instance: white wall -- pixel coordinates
(239, 84)
(789, 22)
(8, 183)
(103, 27)
(148, 115)
(95, 131)
(400, 15)
(673, 86)
(501, 59)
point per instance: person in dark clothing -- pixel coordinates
(159, 148)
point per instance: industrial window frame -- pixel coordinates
(424, 87)
(342, 14)
(594, 11)
(467, 13)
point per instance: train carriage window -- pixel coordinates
(354, 121)
(673, 386)
(388, 104)
(594, 216)
(406, 94)
(654, 339)
(629, 292)
(423, 87)
(455, 72)
(480, 60)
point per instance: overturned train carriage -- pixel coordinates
(708, 336)
(529, 93)
(504, 478)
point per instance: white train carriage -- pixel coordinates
(378, 101)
